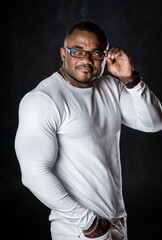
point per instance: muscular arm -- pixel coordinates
(36, 148)
(141, 109)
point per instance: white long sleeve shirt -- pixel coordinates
(67, 144)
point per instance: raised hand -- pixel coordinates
(119, 64)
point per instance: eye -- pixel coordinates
(96, 53)
(77, 52)
(73, 51)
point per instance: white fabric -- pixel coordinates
(62, 229)
(67, 144)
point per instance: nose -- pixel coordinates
(87, 57)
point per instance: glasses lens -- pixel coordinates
(97, 55)
(77, 53)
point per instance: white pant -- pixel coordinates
(61, 229)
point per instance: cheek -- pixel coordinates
(69, 63)
(99, 67)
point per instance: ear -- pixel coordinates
(102, 67)
(62, 53)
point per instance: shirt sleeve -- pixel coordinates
(37, 148)
(140, 108)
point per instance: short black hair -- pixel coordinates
(90, 27)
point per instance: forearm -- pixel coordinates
(48, 189)
(141, 109)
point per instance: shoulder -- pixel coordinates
(36, 105)
(35, 99)
(111, 84)
(36, 109)
(44, 93)
(50, 86)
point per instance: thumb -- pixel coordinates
(109, 60)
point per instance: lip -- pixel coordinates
(82, 69)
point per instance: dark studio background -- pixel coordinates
(32, 33)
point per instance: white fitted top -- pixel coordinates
(67, 144)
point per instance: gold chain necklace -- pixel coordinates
(64, 76)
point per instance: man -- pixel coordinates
(68, 137)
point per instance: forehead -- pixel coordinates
(84, 39)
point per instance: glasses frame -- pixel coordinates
(85, 52)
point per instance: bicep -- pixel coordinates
(36, 139)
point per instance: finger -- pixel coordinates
(109, 61)
(106, 53)
(119, 53)
(113, 49)
(112, 53)
(111, 226)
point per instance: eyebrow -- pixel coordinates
(77, 47)
(94, 49)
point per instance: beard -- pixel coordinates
(84, 79)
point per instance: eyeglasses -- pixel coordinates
(79, 53)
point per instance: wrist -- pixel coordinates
(92, 228)
(136, 79)
(130, 78)
(133, 80)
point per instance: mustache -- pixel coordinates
(85, 66)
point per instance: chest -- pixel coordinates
(93, 114)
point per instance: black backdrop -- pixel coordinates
(32, 33)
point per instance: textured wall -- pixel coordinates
(32, 33)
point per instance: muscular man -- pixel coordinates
(68, 136)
